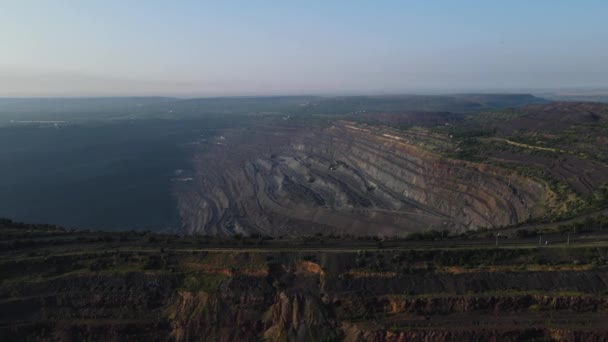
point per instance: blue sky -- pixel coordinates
(204, 48)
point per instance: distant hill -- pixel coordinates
(554, 116)
(601, 96)
(459, 103)
(81, 104)
(501, 100)
(318, 104)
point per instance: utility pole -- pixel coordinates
(540, 239)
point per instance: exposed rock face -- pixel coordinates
(296, 300)
(348, 179)
(533, 334)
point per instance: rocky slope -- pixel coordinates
(129, 292)
(348, 178)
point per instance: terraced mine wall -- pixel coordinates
(173, 294)
(348, 178)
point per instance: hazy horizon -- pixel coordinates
(252, 48)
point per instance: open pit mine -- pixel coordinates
(347, 178)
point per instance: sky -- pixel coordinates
(217, 48)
